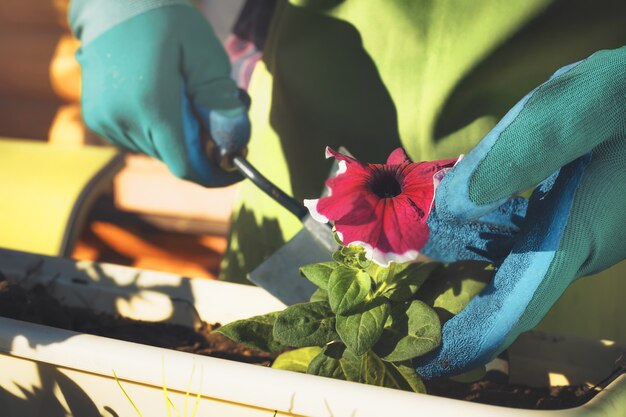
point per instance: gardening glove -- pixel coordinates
(569, 135)
(154, 78)
(488, 238)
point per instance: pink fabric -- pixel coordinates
(243, 56)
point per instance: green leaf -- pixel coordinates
(385, 374)
(297, 360)
(347, 288)
(255, 332)
(351, 365)
(319, 295)
(327, 364)
(409, 375)
(362, 329)
(319, 273)
(374, 371)
(306, 324)
(413, 329)
(451, 287)
(335, 361)
(407, 279)
(379, 273)
(352, 256)
(338, 257)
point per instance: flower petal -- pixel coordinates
(391, 226)
(404, 226)
(396, 238)
(316, 215)
(345, 190)
(354, 208)
(398, 156)
(385, 258)
(421, 180)
(440, 174)
(330, 152)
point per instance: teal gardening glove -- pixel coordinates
(154, 76)
(568, 135)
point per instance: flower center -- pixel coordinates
(385, 184)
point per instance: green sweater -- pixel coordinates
(431, 76)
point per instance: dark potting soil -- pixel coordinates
(508, 395)
(37, 306)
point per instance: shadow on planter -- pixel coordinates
(92, 286)
(77, 402)
(47, 371)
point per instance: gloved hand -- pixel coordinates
(570, 131)
(154, 76)
(488, 238)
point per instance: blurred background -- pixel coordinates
(143, 216)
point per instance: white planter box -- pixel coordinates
(51, 372)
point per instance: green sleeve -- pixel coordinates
(433, 77)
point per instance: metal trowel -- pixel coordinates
(279, 274)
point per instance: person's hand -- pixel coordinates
(154, 78)
(568, 135)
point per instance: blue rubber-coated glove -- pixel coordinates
(154, 77)
(568, 135)
(488, 238)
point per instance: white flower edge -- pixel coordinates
(379, 257)
(316, 215)
(439, 176)
(312, 203)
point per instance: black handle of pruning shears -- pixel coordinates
(236, 161)
(268, 187)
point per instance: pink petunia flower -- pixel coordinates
(381, 207)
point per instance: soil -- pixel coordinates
(37, 306)
(508, 395)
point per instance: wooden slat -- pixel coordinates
(65, 69)
(22, 117)
(26, 56)
(34, 13)
(127, 244)
(68, 128)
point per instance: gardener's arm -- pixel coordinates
(572, 131)
(154, 75)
